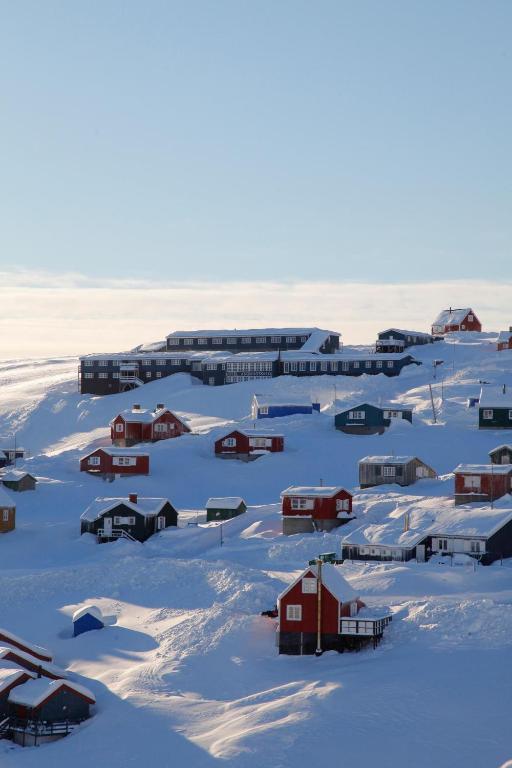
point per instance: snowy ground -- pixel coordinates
(188, 672)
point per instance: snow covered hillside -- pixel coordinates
(187, 671)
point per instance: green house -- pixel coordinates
(224, 508)
(495, 408)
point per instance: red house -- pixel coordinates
(22, 645)
(115, 461)
(450, 320)
(248, 445)
(320, 611)
(140, 425)
(27, 661)
(505, 340)
(308, 508)
(482, 482)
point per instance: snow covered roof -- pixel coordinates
(113, 451)
(11, 639)
(452, 316)
(320, 491)
(387, 407)
(85, 610)
(143, 415)
(5, 500)
(473, 520)
(494, 469)
(144, 506)
(13, 475)
(316, 340)
(387, 459)
(501, 447)
(248, 332)
(21, 656)
(253, 433)
(226, 502)
(34, 692)
(247, 357)
(389, 533)
(504, 336)
(408, 333)
(9, 675)
(492, 396)
(272, 399)
(332, 579)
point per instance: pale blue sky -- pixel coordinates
(255, 140)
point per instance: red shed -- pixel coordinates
(140, 425)
(505, 340)
(315, 508)
(450, 320)
(248, 445)
(482, 482)
(320, 611)
(115, 461)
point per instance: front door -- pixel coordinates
(107, 526)
(160, 523)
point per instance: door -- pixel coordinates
(421, 472)
(160, 523)
(107, 526)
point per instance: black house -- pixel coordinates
(396, 340)
(50, 701)
(133, 518)
(368, 419)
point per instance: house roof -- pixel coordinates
(11, 639)
(272, 399)
(91, 610)
(504, 336)
(452, 316)
(224, 502)
(13, 475)
(251, 433)
(34, 692)
(113, 451)
(148, 507)
(485, 469)
(389, 533)
(21, 656)
(9, 675)
(332, 579)
(143, 415)
(317, 491)
(492, 396)
(387, 459)
(408, 333)
(249, 332)
(501, 447)
(5, 500)
(474, 520)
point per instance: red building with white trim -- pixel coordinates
(248, 445)
(115, 461)
(140, 425)
(482, 482)
(315, 508)
(320, 611)
(451, 320)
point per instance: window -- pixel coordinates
(160, 523)
(229, 442)
(342, 505)
(353, 608)
(161, 427)
(356, 365)
(124, 520)
(158, 374)
(217, 340)
(368, 364)
(470, 319)
(301, 503)
(115, 375)
(291, 339)
(88, 375)
(334, 366)
(103, 362)
(120, 427)
(275, 339)
(263, 410)
(189, 341)
(312, 366)
(303, 339)
(309, 586)
(475, 547)
(359, 415)
(124, 461)
(146, 362)
(379, 363)
(173, 342)
(389, 471)
(286, 367)
(344, 366)
(211, 366)
(472, 481)
(148, 374)
(294, 612)
(88, 363)
(293, 367)
(94, 461)
(211, 381)
(510, 415)
(302, 366)
(260, 442)
(323, 366)
(261, 339)
(389, 363)
(5, 515)
(202, 341)
(443, 544)
(246, 339)
(161, 362)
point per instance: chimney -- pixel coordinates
(510, 328)
(133, 498)
(159, 406)
(136, 406)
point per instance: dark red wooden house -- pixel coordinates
(140, 425)
(8, 638)
(115, 461)
(482, 482)
(315, 508)
(451, 320)
(249, 445)
(504, 340)
(27, 661)
(320, 611)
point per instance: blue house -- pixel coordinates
(270, 407)
(87, 618)
(368, 419)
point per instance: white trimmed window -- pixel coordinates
(299, 503)
(88, 363)
(293, 367)
(188, 341)
(5, 515)
(470, 319)
(211, 366)
(294, 612)
(286, 367)
(488, 413)
(261, 339)
(342, 505)
(102, 375)
(146, 362)
(303, 339)
(120, 427)
(148, 374)
(202, 341)
(161, 362)
(275, 339)
(334, 366)
(312, 366)
(217, 340)
(246, 339)
(379, 363)
(472, 481)
(124, 520)
(158, 374)
(124, 461)
(229, 442)
(388, 471)
(475, 547)
(358, 415)
(510, 415)
(344, 366)
(302, 366)
(263, 410)
(368, 364)
(356, 365)
(94, 461)
(162, 427)
(115, 375)
(103, 362)
(309, 585)
(389, 363)
(88, 375)
(291, 339)
(443, 544)
(323, 365)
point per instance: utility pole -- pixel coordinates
(433, 406)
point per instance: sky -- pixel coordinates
(224, 142)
